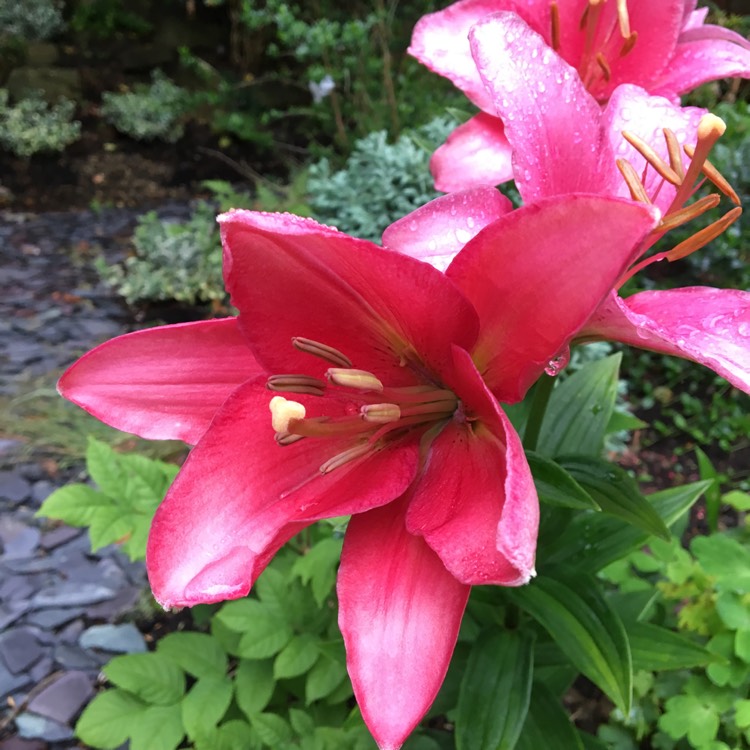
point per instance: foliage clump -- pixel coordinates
(32, 125)
(148, 112)
(31, 19)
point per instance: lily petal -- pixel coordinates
(436, 231)
(475, 153)
(162, 383)
(527, 318)
(399, 612)
(239, 496)
(550, 120)
(709, 326)
(490, 536)
(296, 277)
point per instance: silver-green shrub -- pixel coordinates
(381, 181)
(148, 112)
(31, 19)
(32, 125)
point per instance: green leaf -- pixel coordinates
(110, 525)
(725, 559)
(655, 648)
(495, 691)
(317, 567)
(734, 610)
(296, 657)
(271, 729)
(205, 705)
(742, 713)
(158, 728)
(232, 735)
(616, 492)
(687, 715)
(104, 467)
(76, 504)
(580, 409)
(265, 636)
(555, 486)
(323, 678)
(585, 628)
(150, 676)
(106, 721)
(623, 421)
(738, 500)
(302, 723)
(237, 614)
(198, 654)
(253, 685)
(742, 645)
(547, 725)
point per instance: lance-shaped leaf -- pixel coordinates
(547, 724)
(655, 648)
(556, 486)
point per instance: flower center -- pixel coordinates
(374, 413)
(607, 37)
(687, 182)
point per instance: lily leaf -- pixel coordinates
(555, 485)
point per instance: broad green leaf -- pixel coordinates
(198, 654)
(738, 500)
(272, 589)
(616, 492)
(590, 742)
(323, 678)
(157, 475)
(655, 648)
(620, 421)
(742, 713)
(271, 729)
(150, 676)
(76, 504)
(580, 409)
(104, 467)
(547, 725)
(555, 486)
(237, 614)
(734, 610)
(205, 705)
(253, 686)
(726, 559)
(317, 567)
(742, 645)
(107, 721)
(495, 691)
(110, 525)
(232, 735)
(266, 635)
(158, 728)
(296, 657)
(302, 723)
(687, 715)
(592, 540)
(587, 630)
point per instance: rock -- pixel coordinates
(70, 656)
(17, 539)
(13, 487)
(64, 698)
(50, 619)
(18, 743)
(118, 639)
(71, 594)
(41, 54)
(19, 649)
(59, 535)
(54, 83)
(11, 611)
(10, 682)
(39, 727)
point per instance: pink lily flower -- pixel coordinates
(563, 143)
(392, 374)
(664, 47)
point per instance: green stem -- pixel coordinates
(539, 401)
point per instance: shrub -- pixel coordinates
(31, 19)
(32, 125)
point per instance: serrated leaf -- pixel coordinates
(317, 567)
(495, 691)
(616, 492)
(265, 636)
(547, 725)
(734, 610)
(198, 654)
(237, 614)
(654, 648)
(323, 678)
(687, 715)
(579, 410)
(302, 723)
(109, 525)
(272, 589)
(205, 705)
(76, 504)
(726, 559)
(150, 676)
(159, 728)
(106, 721)
(104, 467)
(585, 628)
(271, 729)
(296, 657)
(253, 685)
(232, 735)
(555, 485)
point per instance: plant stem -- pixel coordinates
(539, 401)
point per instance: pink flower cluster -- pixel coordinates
(361, 380)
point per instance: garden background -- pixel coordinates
(124, 128)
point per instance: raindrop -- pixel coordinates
(744, 329)
(470, 222)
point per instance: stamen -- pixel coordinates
(713, 175)
(684, 215)
(554, 11)
(380, 413)
(623, 19)
(324, 427)
(345, 457)
(283, 412)
(704, 236)
(360, 380)
(604, 65)
(417, 394)
(652, 157)
(322, 351)
(286, 438)
(446, 407)
(675, 154)
(628, 44)
(297, 384)
(635, 186)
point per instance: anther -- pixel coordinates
(652, 157)
(345, 457)
(704, 236)
(360, 380)
(297, 384)
(635, 186)
(283, 412)
(601, 61)
(675, 154)
(628, 44)
(713, 175)
(380, 413)
(322, 351)
(554, 13)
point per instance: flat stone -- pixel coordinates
(71, 632)
(41, 491)
(124, 602)
(59, 535)
(9, 446)
(31, 565)
(41, 669)
(18, 540)
(14, 587)
(13, 487)
(71, 656)
(10, 682)
(118, 639)
(39, 727)
(70, 594)
(50, 619)
(64, 698)
(11, 611)
(18, 743)
(19, 649)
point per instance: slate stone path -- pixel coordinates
(63, 610)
